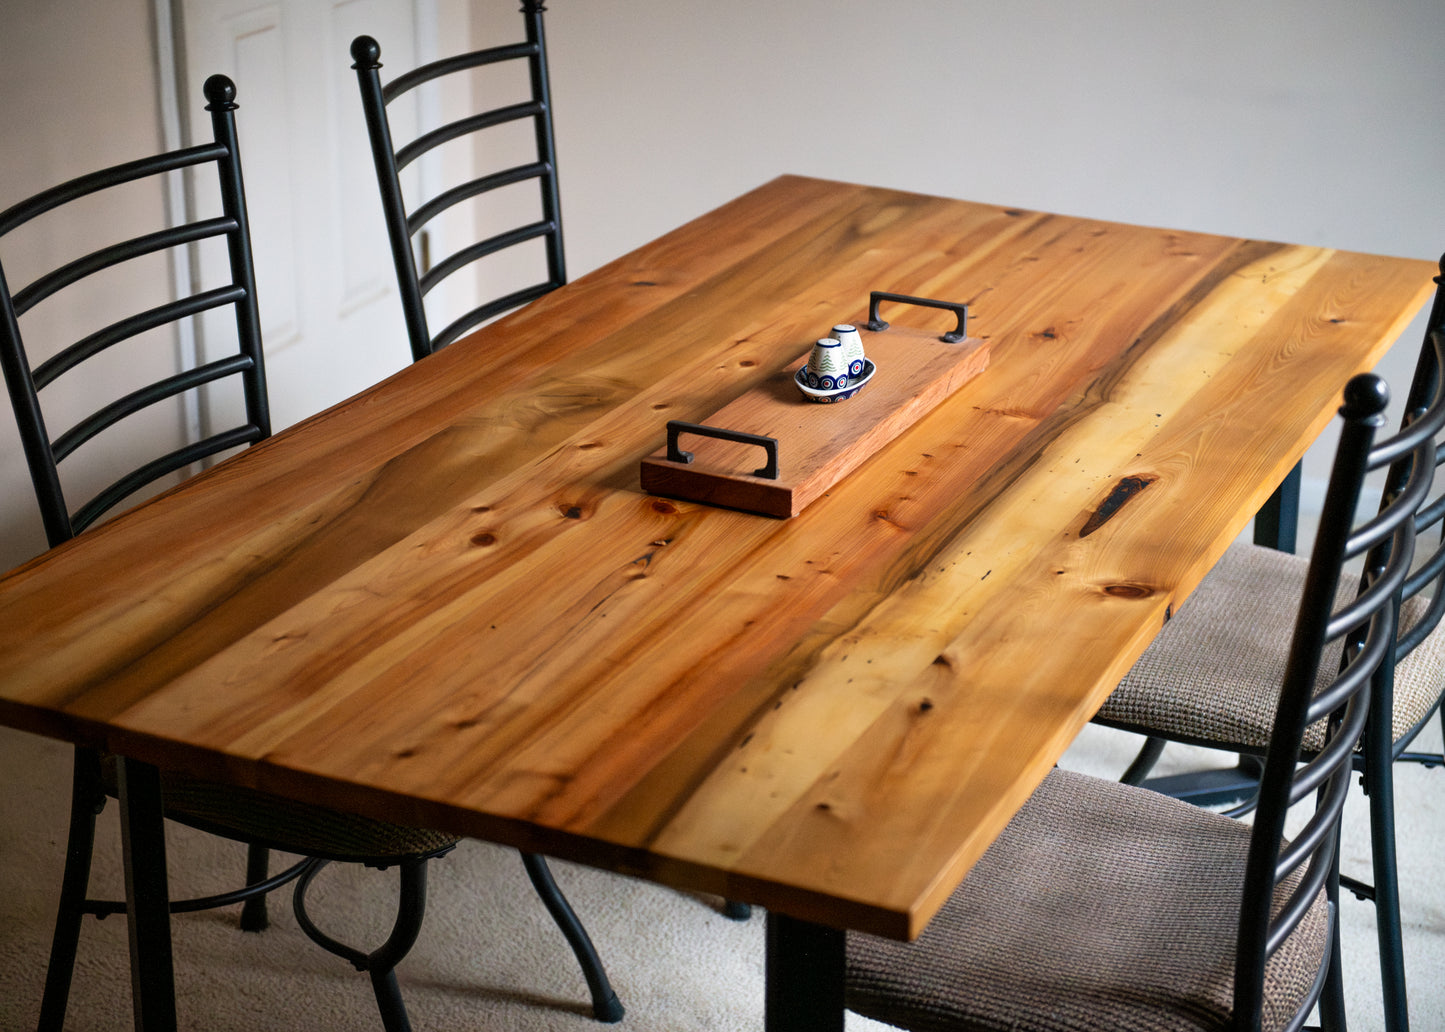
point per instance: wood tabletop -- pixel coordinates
(447, 601)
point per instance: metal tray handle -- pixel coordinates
(951, 337)
(677, 427)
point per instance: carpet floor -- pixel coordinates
(489, 958)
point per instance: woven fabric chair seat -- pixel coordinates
(1213, 673)
(1099, 907)
(293, 827)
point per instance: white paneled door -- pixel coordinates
(330, 316)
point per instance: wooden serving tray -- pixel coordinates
(816, 444)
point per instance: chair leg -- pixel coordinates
(1380, 786)
(605, 1005)
(87, 799)
(380, 964)
(253, 912)
(389, 1001)
(1149, 754)
(1332, 998)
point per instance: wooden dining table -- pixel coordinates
(448, 601)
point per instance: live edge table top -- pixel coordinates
(448, 602)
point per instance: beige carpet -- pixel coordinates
(490, 959)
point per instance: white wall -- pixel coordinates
(1310, 121)
(1302, 120)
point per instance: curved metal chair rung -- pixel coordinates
(146, 396)
(481, 314)
(106, 907)
(90, 346)
(457, 63)
(465, 126)
(474, 188)
(115, 254)
(103, 179)
(481, 249)
(152, 471)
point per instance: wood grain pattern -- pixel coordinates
(448, 600)
(817, 444)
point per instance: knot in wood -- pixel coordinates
(1123, 492)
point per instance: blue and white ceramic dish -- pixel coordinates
(829, 390)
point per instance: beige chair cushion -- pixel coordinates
(1100, 907)
(252, 816)
(1213, 673)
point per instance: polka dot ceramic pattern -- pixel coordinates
(844, 387)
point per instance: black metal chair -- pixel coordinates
(1105, 905)
(1206, 681)
(260, 820)
(406, 222)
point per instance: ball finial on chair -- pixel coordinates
(366, 52)
(1365, 395)
(220, 91)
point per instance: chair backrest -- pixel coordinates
(43, 452)
(405, 222)
(1429, 572)
(1283, 882)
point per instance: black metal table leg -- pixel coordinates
(735, 911)
(1276, 525)
(805, 969)
(143, 839)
